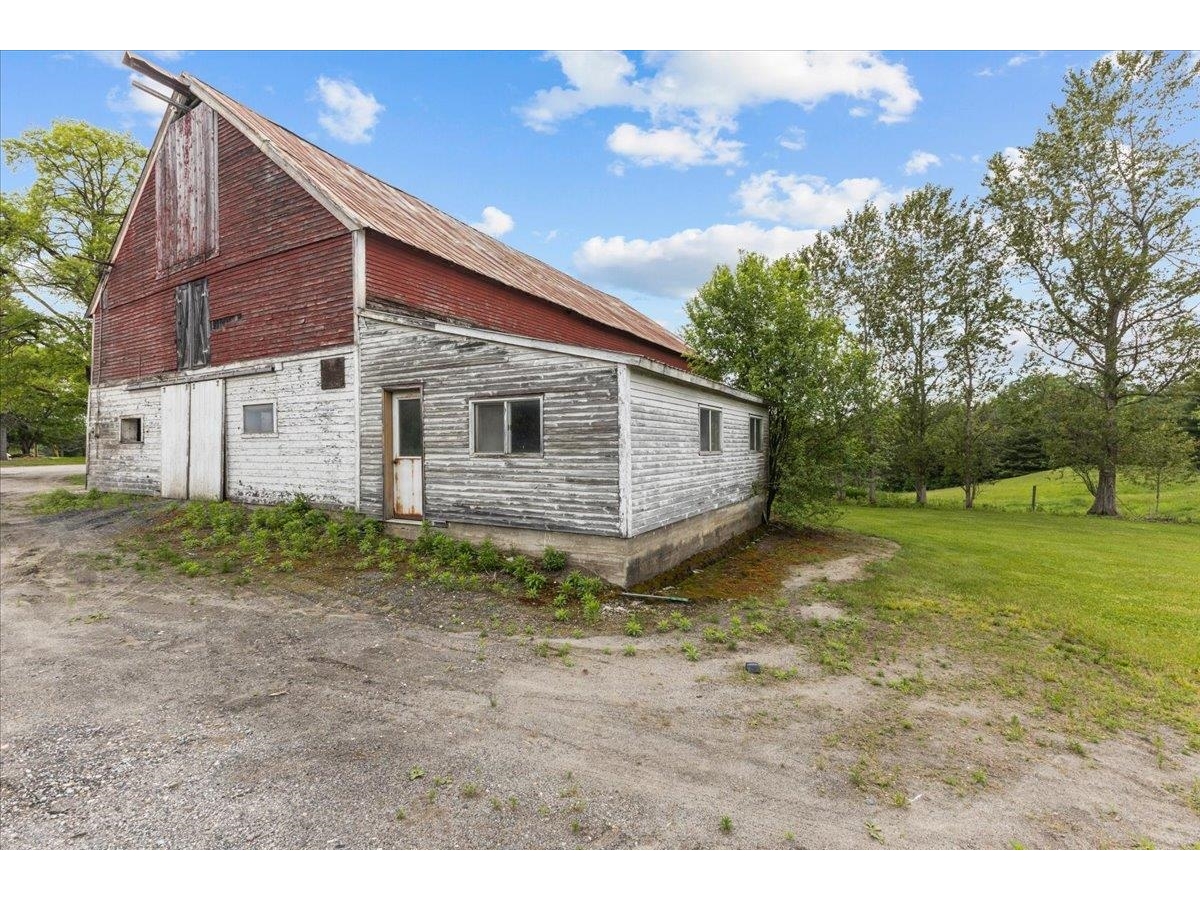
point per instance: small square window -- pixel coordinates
(756, 434)
(131, 431)
(258, 418)
(710, 430)
(333, 373)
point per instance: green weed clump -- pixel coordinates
(61, 500)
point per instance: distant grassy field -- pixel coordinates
(1060, 491)
(1096, 619)
(42, 461)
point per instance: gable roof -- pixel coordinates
(360, 200)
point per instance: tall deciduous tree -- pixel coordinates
(756, 326)
(978, 355)
(56, 236)
(1099, 214)
(889, 272)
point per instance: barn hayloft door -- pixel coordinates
(193, 440)
(406, 456)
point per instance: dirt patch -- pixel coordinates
(759, 564)
(850, 567)
(144, 710)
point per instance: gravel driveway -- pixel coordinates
(159, 711)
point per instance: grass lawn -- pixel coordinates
(1096, 619)
(1061, 491)
(42, 461)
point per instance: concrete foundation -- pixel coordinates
(622, 561)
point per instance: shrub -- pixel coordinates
(553, 560)
(534, 582)
(591, 608)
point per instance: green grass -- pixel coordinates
(1098, 620)
(42, 461)
(62, 500)
(1060, 491)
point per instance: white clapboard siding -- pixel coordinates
(113, 466)
(573, 486)
(671, 479)
(313, 450)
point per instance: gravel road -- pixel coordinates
(145, 710)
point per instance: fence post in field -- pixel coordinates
(1033, 501)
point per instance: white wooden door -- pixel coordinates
(176, 421)
(193, 440)
(408, 489)
(206, 445)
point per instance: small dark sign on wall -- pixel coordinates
(333, 373)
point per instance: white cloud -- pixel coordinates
(793, 139)
(676, 146)
(113, 57)
(674, 266)
(809, 200)
(494, 221)
(921, 161)
(347, 112)
(859, 112)
(108, 57)
(135, 107)
(691, 97)
(1011, 63)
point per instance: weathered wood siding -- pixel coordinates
(313, 450)
(113, 466)
(279, 284)
(420, 281)
(670, 478)
(572, 486)
(185, 188)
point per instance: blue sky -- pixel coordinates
(635, 172)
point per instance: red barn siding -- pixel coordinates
(416, 279)
(284, 266)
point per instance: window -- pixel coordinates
(192, 326)
(131, 431)
(185, 178)
(710, 430)
(756, 434)
(507, 426)
(258, 418)
(333, 373)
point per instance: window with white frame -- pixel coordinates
(509, 426)
(258, 418)
(710, 430)
(756, 434)
(131, 430)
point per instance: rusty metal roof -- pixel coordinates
(362, 200)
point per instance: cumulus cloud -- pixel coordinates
(494, 221)
(693, 98)
(921, 161)
(133, 106)
(808, 200)
(347, 112)
(674, 266)
(793, 139)
(676, 147)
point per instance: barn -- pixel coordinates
(274, 321)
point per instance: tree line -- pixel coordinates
(1054, 321)
(55, 239)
